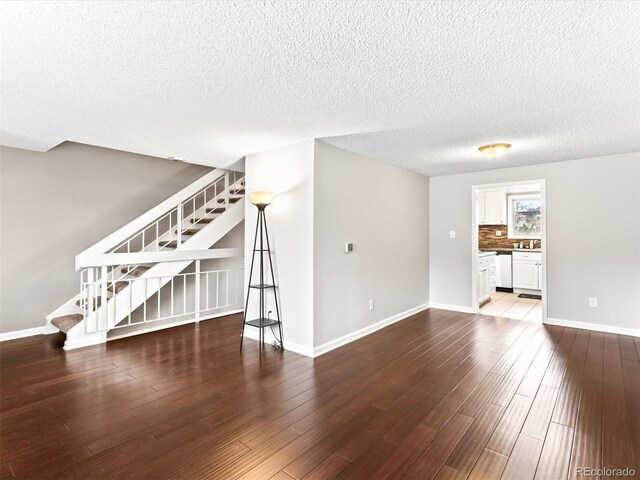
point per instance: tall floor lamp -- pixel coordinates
(261, 200)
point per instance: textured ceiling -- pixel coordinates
(417, 84)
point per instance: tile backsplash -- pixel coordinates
(487, 238)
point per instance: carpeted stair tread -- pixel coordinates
(231, 200)
(169, 243)
(66, 322)
(216, 210)
(96, 301)
(191, 231)
(238, 192)
(136, 272)
(119, 286)
(202, 220)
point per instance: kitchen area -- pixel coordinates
(510, 267)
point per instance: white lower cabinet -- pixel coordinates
(527, 268)
(486, 277)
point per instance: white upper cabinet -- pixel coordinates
(492, 207)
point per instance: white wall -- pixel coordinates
(327, 196)
(384, 211)
(593, 228)
(56, 204)
(288, 172)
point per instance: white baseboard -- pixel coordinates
(27, 332)
(74, 341)
(598, 327)
(350, 337)
(338, 342)
(101, 337)
(49, 329)
(252, 333)
(453, 308)
(147, 330)
(168, 325)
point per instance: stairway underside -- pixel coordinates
(127, 294)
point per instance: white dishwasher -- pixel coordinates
(504, 278)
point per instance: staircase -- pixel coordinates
(154, 264)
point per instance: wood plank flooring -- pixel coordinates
(439, 395)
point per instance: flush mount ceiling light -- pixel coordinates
(495, 149)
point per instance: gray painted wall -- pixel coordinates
(593, 229)
(384, 211)
(56, 204)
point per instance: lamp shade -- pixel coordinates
(261, 198)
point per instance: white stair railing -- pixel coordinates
(168, 220)
(187, 296)
(187, 214)
(155, 238)
(103, 285)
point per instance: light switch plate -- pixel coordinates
(593, 302)
(498, 233)
(452, 234)
(348, 247)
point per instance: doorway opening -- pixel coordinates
(508, 250)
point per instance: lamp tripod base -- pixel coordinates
(262, 249)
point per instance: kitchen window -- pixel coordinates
(524, 216)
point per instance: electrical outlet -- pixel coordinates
(593, 302)
(498, 233)
(372, 305)
(452, 234)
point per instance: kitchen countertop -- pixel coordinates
(486, 253)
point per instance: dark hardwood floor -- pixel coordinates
(439, 395)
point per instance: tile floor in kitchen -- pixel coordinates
(503, 304)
